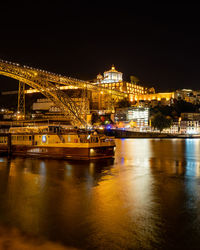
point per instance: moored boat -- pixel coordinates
(57, 142)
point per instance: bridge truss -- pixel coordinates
(49, 84)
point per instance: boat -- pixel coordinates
(57, 142)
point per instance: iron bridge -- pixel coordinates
(49, 83)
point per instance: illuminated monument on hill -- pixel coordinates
(110, 76)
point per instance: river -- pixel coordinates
(148, 197)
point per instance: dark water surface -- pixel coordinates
(147, 198)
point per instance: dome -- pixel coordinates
(112, 75)
(112, 70)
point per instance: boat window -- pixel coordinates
(44, 138)
(103, 139)
(83, 139)
(94, 139)
(1, 139)
(89, 138)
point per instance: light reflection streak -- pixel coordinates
(68, 170)
(193, 157)
(42, 171)
(126, 194)
(191, 184)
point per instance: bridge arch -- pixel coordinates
(44, 82)
(47, 83)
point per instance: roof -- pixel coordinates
(112, 70)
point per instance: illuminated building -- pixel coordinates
(136, 115)
(174, 129)
(157, 96)
(111, 76)
(188, 95)
(113, 80)
(139, 115)
(190, 123)
(187, 124)
(183, 93)
(190, 127)
(190, 116)
(45, 105)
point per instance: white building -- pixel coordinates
(139, 115)
(110, 76)
(188, 95)
(189, 127)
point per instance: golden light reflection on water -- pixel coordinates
(130, 202)
(125, 201)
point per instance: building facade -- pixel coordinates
(113, 79)
(137, 117)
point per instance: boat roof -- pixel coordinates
(37, 129)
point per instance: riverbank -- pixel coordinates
(118, 133)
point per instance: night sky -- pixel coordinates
(159, 43)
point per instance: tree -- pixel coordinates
(185, 107)
(175, 109)
(161, 121)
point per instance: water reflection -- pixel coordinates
(148, 197)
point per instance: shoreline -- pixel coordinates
(131, 134)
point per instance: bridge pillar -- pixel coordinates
(21, 102)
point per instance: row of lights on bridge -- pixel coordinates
(44, 71)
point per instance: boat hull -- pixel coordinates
(74, 153)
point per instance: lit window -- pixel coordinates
(44, 138)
